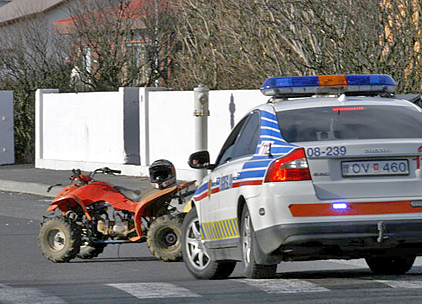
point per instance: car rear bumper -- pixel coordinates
(351, 239)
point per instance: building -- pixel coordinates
(4, 2)
(137, 22)
(13, 12)
(61, 16)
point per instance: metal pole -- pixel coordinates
(201, 113)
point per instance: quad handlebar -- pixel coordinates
(105, 170)
(86, 178)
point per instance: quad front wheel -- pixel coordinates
(195, 254)
(164, 238)
(59, 239)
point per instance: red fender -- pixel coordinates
(141, 206)
(60, 199)
(65, 198)
(88, 194)
(68, 199)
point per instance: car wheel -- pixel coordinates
(391, 265)
(251, 269)
(195, 254)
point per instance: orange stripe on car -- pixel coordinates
(371, 208)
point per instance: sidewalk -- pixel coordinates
(27, 179)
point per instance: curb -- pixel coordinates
(29, 188)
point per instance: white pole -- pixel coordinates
(201, 113)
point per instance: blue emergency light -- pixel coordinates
(339, 206)
(301, 86)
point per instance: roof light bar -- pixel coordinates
(300, 86)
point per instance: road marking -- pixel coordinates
(154, 290)
(285, 285)
(360, 263)
(401, 284)
(26, 295)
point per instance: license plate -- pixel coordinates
(375, 167)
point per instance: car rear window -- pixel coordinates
(350, 122)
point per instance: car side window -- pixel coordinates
(248, 139)
(227, 150)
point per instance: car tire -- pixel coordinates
(60, 239)
(251, 269)
(393, 265)
(164, 238)
(195, 254)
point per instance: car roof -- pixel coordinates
(328, 101)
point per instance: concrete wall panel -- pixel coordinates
(7, 145)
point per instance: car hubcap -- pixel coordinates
(195, 246)
(247, 239)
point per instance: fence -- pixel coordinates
(131, 128)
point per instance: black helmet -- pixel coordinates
(162, 174)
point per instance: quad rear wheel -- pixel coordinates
(60, 239)
(164, 238)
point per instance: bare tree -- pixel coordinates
(116, 45)
(224, 44)
(403, 37)
(129, 46)
(230, 43)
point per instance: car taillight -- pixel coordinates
(292, 167)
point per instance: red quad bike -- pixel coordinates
(93, 214)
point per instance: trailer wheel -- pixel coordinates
(60, 239)
(164, 238)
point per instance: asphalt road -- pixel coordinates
(129, 273)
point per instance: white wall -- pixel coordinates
(90, 130)
(7, 146)
(83, 127)
(227, 108)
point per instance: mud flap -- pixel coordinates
(261, 257)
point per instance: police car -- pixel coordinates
(329, 168)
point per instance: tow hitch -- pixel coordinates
(382, 232)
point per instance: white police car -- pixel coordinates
(330, 168)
